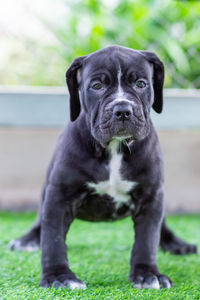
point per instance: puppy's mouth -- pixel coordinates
(123, 132)
(120, 126)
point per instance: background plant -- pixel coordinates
(170, 28)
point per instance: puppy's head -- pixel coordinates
(116, 87)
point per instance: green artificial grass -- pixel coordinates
(99, 254)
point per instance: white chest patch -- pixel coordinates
(115, 187)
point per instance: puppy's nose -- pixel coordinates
(122, 112)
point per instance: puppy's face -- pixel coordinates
(116, 88)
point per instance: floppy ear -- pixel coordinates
(73, 87)
(158, 79)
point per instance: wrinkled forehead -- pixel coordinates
(114, 62)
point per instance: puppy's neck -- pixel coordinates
(119, 145)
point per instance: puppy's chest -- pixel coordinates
(116, 187)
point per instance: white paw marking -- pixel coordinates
(76, 285)
(168, 285)
(115, 187)
(16, 245)
(153, 285)
(132, 206)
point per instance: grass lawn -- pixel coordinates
(99, 254)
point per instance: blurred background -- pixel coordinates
(39, 40)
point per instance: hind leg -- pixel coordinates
(29, 242)
(175, 245)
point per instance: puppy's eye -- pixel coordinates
(141, 84)
(97, 86)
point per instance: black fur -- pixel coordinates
(81, 156)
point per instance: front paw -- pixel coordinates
(147, 276)
(62, 280)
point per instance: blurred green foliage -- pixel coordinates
(170, 28)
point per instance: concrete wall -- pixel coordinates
(29, 129)
(25, 154)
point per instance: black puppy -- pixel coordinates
(107, 165)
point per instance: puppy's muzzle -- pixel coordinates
(122, 112)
